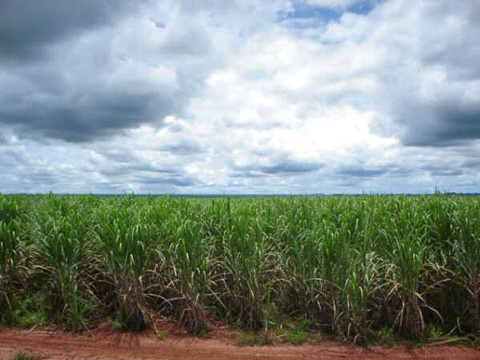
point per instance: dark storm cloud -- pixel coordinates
(107, 69)
(359, 171)
(93, 118)
(441, 124)
(26, 26)
(290, 167)
(285, 166)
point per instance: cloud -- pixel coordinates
(431, 79)
(441, 125)
(168, 181)
(27, 27)
(358, 171)
(283, 165)
(100, 80)
(335, 4)
(247, 96)
(436, 170)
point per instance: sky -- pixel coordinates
(239, 96)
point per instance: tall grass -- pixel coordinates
(125, 251)
(248, 259)
(188, 271)
(10, 252)
(60, 253)
(351, 266)
(464, 259)
(9, 257)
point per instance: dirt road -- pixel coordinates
(111, 344)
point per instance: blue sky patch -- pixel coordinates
(304, 15)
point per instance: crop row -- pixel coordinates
(351, 266)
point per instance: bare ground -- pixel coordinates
(108, 343)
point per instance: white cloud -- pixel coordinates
(336, 4)
(230, 98)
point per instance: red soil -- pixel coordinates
(108, 343)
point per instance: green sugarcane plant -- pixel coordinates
(127, 251)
